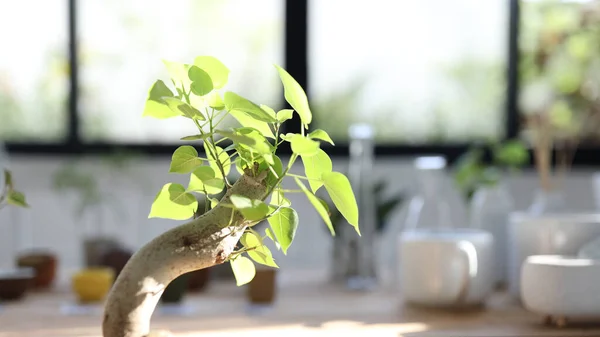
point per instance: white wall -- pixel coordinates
(50, 222)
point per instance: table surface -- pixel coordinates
(310, 308)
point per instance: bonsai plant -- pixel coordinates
(212, 238)
(13, 284)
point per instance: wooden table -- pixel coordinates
(313, 309)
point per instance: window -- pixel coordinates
(34, 70)
(122, 44)
(425, 72)
(560, 69)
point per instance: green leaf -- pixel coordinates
(201, 81)
(214, 100)
(8, 181)
(322, 135)
(213, 202)
(317, 205)
(235, 102)
(183, 108)
(303, 146)
(284, 115)
(155, 105)
(197, 137)
(284, 224)
(315, 166)
(16, 199)
(184, 160)
(295, 95)
(223, 158)
(173, 202)
(243, 270)
(251, 209)
(261, 145)
(279, 199)
(237, 138)
(259, 253)
(270, 235)
(204, 179)
(246, 121)
(340, 191)
(268, 110)
(218, 72)
(277, 166)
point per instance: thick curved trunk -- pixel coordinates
(200, 243)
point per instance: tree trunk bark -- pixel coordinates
(200, 243)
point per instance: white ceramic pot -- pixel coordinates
(561, 287)
(548, 234)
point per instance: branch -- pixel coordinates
(200, 243)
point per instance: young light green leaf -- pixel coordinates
(197, 137)
(223, 158)
(235, 102)
(218, 72)
(213, 202)
(295, 95)
(270, 235)
(284, 224)
(8, 181)
(214, 100)
(183, 108)
(173, 202)
(251, 209)
(246, 121)
(258, 251)
(201, 82)
(237, 138)
(243, 270)
(303, 146)
(317, 205)
(184, 160)
(278, 198)
(155, 105)
(315, 166)
(339, 189)
(322, 135)
(16, 198)
(284, 115)
(179, 74)
(204, 179)
(268, 110)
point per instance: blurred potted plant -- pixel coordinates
(13, 283)
(490, 203)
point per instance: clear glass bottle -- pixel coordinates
(354, 261)
(429, 207)
(490, 210)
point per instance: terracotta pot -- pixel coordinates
(44, 264)
(176, 290)
(15, 283)
(199, 279)
(116, 259)
(262, 289)
(94, 248)
(91, 285)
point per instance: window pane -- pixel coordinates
(422, 71)
(33, 70)
(123, 43)
(560, 69)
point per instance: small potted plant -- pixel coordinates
(13, 283)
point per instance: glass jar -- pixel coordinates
(490, 210)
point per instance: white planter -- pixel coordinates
(561, 287)
(548, 234)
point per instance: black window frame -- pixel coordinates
(296, 62)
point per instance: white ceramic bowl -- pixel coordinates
(548, 234)
(561, 286)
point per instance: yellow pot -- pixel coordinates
(92, 284)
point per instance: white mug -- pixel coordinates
(446, 267)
